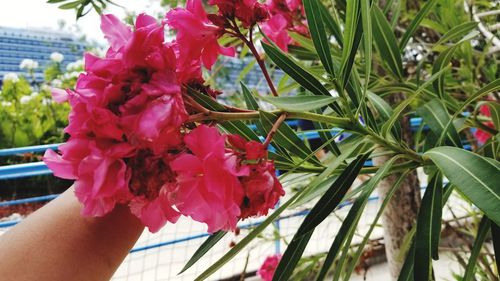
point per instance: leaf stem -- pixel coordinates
(275, 128)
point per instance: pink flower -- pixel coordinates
(152, 182)
(261, 186)
(101, 184)
(276, 30)
(99, 172)
(59, 95)
(196, 35)
(268, 267)
(208, 187)
(249, 12)
(127, 105)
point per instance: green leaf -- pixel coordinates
(484, 226)
(428, 228)
(70, 5)
(246, 70)
(495, 113)
(441, 62)
(332, 25)
(333, 196)
(407, 270)
(291, 257)
(495, 236)
(247, 239)
(401, 107)
(457, 32)
(204, 248)
(361, 246)
(352, 37)
(385, 112)
(351, 220)
(233, 127)
(436, 116)
(286, 137)
(325, 136)
(299, 103)
(367, 42)
(318, 183)
(386, 42)
(415, 23)
(475, 176)
(491, 87)
(294, 70)
(318, 34)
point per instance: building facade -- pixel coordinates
(17, 44)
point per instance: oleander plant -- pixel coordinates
(147, 130)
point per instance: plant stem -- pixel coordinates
(340, 122)
(275, 128)
(260, 61)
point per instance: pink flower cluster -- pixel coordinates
(130, 139)
(268, 267)
(286, 15)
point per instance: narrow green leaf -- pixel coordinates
(361, 246)
(495, 236)
(204, 248)
(491, 87)
(495, 113)
(246, 70)
(351, 220)
(367, 42)
(401, 107)
(353, 31)
(294, 70)
(249, 97)
(407, 270)
(332, 25)
(325, 136)
(299, 103)
(385, 112)
(457, 32)
(271, 218)
(484, 227)
(286, 137)
(318, 34)
(436, 116)
(428, 228)
(475, 176)
(386, 42)
(333, 196)
(247, 239)
(305, 42)
(291, 257)
(70, 5)
(334, 165)
(234, 127)
(415, 23)
(441, 62)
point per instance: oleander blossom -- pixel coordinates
(196, 38)
(268, 267)
(261, 187)
(127, 104)
(131, 143)
(285, 16)
(248, 12)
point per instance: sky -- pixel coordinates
(39, 14)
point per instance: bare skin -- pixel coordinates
(57, 243)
